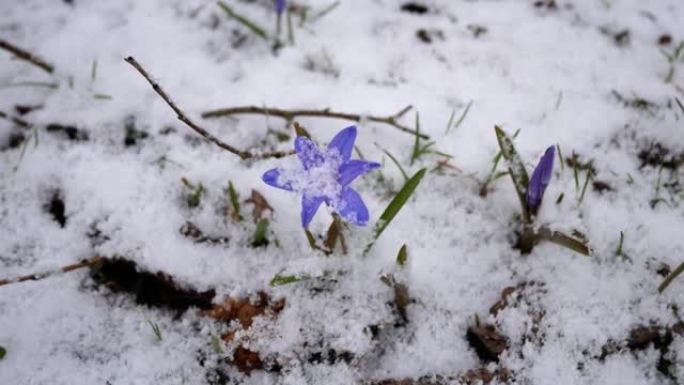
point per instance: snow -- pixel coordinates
(552, 73)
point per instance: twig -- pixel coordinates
(288, 115)
(26, 55)
(18, 121)
(183, 118)
(38, 276)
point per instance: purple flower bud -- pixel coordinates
(540, 179)
(280, 6)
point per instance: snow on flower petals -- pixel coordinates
(324, 176)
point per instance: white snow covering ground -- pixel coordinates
(566, 74)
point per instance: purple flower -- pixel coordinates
(324, 176)
(540, 179)
(279, 6)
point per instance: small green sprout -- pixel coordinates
(155, 329)
(195, 194)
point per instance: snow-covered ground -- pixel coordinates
(588, 75)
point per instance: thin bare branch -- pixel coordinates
(392, 120)
(23, 54)
(38, 276)
(183, 118)
(18, 121)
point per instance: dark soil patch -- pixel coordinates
(190, 231)
(68, 132)
(657, 155)
(133, 136)
(56, 208)
(415, 8)
(155, 290)
(23, 109)
(487, 342)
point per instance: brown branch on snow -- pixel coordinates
(38, 276)
(243, 154)
(391, 120)
(23, 54)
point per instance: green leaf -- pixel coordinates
(279, 280)
(462, 117)
(194, 196)
(579, 246)
(243, 20)
(3, 352)
(234, 201)
(516, 168)
(395, 205)
(216, 345)
(402, 256)
(671, 278)
(260, 238)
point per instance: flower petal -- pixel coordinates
(348, 171)
(343, 142)
(309, 207)
(308, 152)
(540, 179)
(352, 208)
(280, 6)
(273, 177)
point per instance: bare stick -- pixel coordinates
(26, 55)
(38, 276)
(183, 118)
(391, 120)
(18, 121)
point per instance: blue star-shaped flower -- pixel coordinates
(324, 176)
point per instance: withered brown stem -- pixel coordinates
(391, 120)
(38, 276)
(243, 154)
(25, 55)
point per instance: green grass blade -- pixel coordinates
(415, 153)
(243, 20)
(402, 256)
(234, 201)
(396, 162)
(516, 168)
(260, 234)
(3, 352)
(463, 116)
(395, 205)
(279, 280)
(671, 278)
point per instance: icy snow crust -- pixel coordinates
(549, 72)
